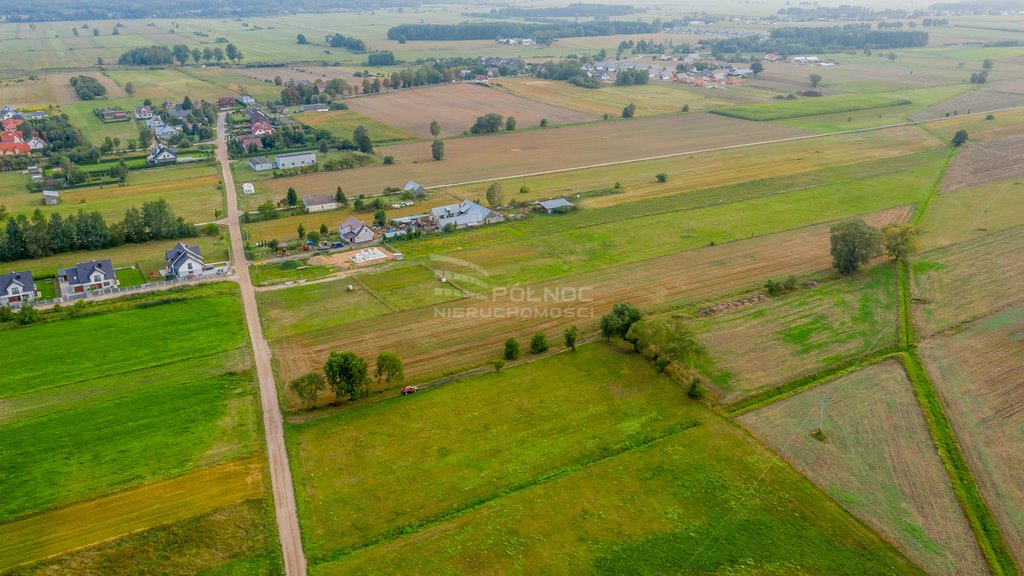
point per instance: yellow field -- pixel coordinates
(95, 521)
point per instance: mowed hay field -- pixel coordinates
(954, 217)
(191, 191)
(977, 371)
(456, 107)
(796, 335)
(980, 276)
(473, 332)
(82, 426)
(407, 287)
(878, 462)
(985, 162)
(609, 472)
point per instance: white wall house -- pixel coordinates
(353, 231)
(184, 261)
(17, 287)
(319, 203)
(87, 277)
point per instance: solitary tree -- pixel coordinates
(437, 150)
(129, 88)
(571, 334)
(511, 349)
(629, 110)
(380, 218)
(543, 122)
(815, 80)
(987, 64)
(339, 197)
(891, 56)
(498, 364)
(300, 38)
(510, 123)
(662, 177)
(665, 341)
(854, 244)
(231, 51)
(539, 343)
(619, 320)
(960, 138)
(301, 230)
(389, 369)
(435, 129)
(362, 140)
(346, 374)
(293, 197)
(757, 68)
(495, 196)
(307, 387)
(899, 240)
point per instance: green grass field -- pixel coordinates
(785, 109)
(920, 99)
(878, 462)
(610, 471)
(129, 277)
(267, 274)
(406, 287)
(94, 129)
(191, 399)
(795, 335)
(312, 307)
(342, 123)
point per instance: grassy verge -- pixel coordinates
(810, 107)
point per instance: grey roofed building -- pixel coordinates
(81, 274)
(20, 281)
(555, 204)
(415, 188)
(464, 214)
(315, 108)
(319, 202)
(180, 252)
(51, 197)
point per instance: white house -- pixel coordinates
(163, 155)
(144, 112)
(184, 261)
(51, 197)
(87, 277)
(17, 287)
(36, 143)
(319, 203)
(294, 160)
(465, 214)
(260, 163)
(353, 231)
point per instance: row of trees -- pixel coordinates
(40, 236)
(164, 56)
(491, 123)
(855, 243)
(490, 30)
(348, 377)
(806, 39)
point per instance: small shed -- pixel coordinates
(50, 197)
(556, 205)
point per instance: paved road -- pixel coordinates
(277, 456)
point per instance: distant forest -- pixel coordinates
(492, 30)
(578, 10)
(51, 10)
(810, 40)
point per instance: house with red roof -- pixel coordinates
(13, 149)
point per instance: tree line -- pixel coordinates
(806, 39)
(491, 30)
(39, 236)
(51, 10)
(164, 56)
(348, 376)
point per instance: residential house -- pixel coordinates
(36, 143)
(319, 203)
(226, 102)
(180, 113)
(184, 261)
(772, 57)
(262, 129)
(87, 277)
(51, 197)
(37, 115)
(163, 155)
(10, 112)
(250, 142)
(248, 100)
(260, 163)
(555, 205)
(13, 149)
(417, 190)
(17, 287)
(294, 160)
(465, 214)
(12, 137)
(165, 132)
(144, 112)
(353, 231)
(11, 124)
(315, 107)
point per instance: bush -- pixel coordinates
(389, 160)
(511, 349)
(498, 365)
(538, 344)
(662, 177)
(696, 390)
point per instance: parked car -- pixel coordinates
(336, 244)
(409, 390)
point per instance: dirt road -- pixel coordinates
(277, 456)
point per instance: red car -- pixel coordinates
(409, 390)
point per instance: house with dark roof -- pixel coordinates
(353, 231)
(163, 155)
(17, 287)
(319, 203)
(250, 142)
(226, 102)
(465, 214)
(143, 112)
(87, 277)
(184, 261)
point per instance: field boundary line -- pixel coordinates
(355, 278)
(972, 502)
(485, 500)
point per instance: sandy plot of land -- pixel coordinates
(978, 374)
(879, 463)
(456, 107)
(985, 162)
(506, 154)
(432, 340)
